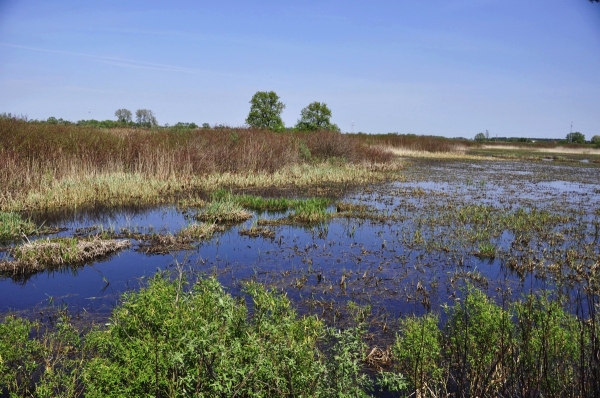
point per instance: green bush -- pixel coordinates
(49, 364)
(547, 347)
(18, 356)
(418, 349)
(479, 337)
(165, 341)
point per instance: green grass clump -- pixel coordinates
(227, 207)
(266, 204)
(486, 250)
(12, 226)
(202, 231)
(223, 211)
(311, 211)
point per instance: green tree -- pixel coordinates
(145, 117)
(480, 137)
(576, 138)
(596, 140)
(316, 116)
(123, 115)
(265, 111)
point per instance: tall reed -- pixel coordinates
(34, 156)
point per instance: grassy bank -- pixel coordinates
(176, 339)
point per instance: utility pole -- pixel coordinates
(571, 133)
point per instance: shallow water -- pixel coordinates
(378, 260)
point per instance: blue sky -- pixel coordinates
(451, 68)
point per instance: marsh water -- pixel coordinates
(505, 227)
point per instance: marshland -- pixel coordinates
(246, 261)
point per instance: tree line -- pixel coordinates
(571, 138)
(265, 113)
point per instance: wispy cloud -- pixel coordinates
(122, 62)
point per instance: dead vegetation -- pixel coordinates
(45, 254)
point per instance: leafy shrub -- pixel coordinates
(418, 349)
(17, 356)
(165, 341)
(479, 337)
(49, 364)
(547, 346)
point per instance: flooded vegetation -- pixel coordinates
(464, 275)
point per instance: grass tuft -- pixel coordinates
(53, 253)
(255, 231)
(12, 226)
(223, 211)
(202, 231)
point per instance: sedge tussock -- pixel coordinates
(223, 211)
(199, 231)
(53, 253)
(256, 231)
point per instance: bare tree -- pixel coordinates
(145, 117)
(123, 115)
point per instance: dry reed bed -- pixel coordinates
(458, 153)
(49, 167)
(416, 143)
(578, 150)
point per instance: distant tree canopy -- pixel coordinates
(184, 126)
(576, 138)
(596, 139)
(145, 117)
(123, 115)
(316, 116)
(265, 111)
(480, 137)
